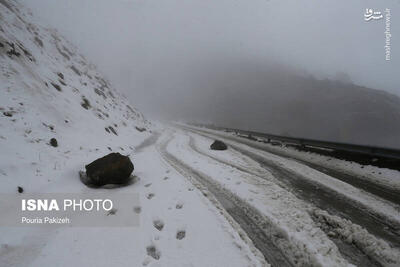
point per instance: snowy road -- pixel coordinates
(247, 218)
(385, 191)
(294, 214)
(323, 197)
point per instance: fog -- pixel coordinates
(252, 64)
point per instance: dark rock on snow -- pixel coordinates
(218, 145)
(112, 130)
(20, 189)
(111, 169)
(140, 129)
(56, 86)
(85, 103)
(7, 113)
(53, 142)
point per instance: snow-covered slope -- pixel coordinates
(48, 90)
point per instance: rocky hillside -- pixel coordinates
(57, 111)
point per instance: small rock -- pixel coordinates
(7, 113)
(53, 142)
(56, 86)
(332, 234)
(140, 129)
(112, 130)
(218, 145)
(20, 189)
(76, 70)
(85, 104)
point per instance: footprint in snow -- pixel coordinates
(180, 234)
(112, 212)
(150, 195)
(137, 209)
(153, 252)
(166, 178)
(146, 261)
(158, 224)
(147, 185)
(179, 206)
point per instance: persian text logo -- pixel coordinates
(370, 14)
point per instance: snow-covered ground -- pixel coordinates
(376, 205)
(247, 180)
(382, 176)
(197, 207)
(309, 244)
(334, 225)
(192, 233)
(48, 90)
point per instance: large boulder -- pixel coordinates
(111, 169)
(218, 145)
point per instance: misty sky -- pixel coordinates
(149, 49)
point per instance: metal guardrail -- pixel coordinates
(361, 149)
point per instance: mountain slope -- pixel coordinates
(48, 90)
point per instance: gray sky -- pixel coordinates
(150, 48)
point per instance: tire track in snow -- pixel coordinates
(253, 223)
(381, 191)
(323, 197)
(147, 142)
(354, 252)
